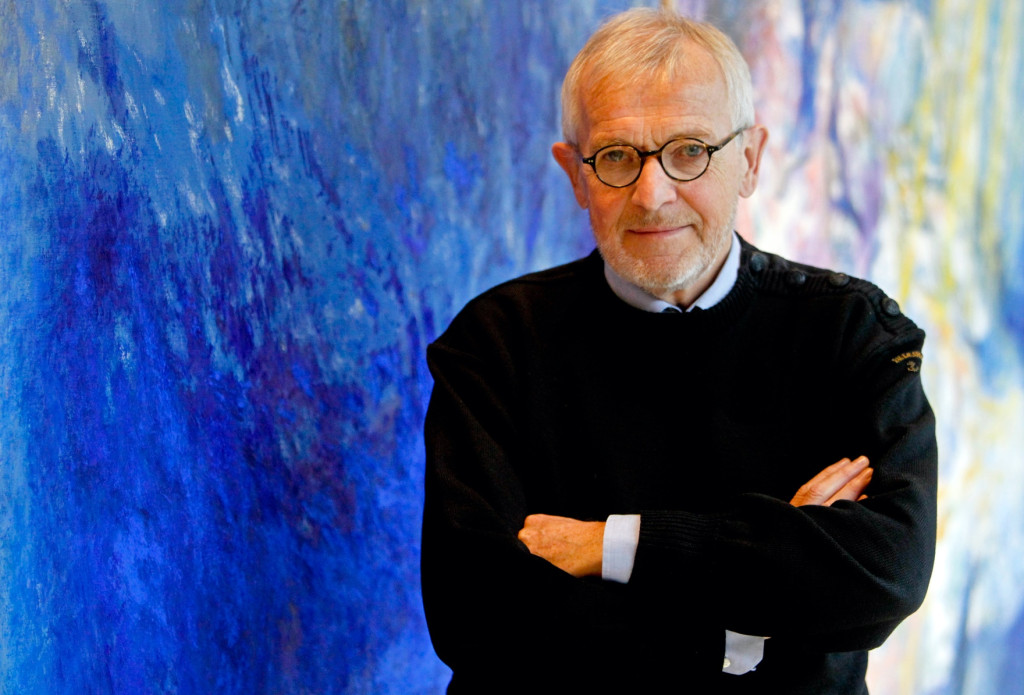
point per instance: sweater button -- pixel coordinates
(890, 307)
(796, 278)
(726, 663)
(758, 262)
(839, 279)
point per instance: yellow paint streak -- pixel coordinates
(964, 111)
(1006, 62)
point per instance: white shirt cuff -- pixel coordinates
(621, 536)
(742, 653)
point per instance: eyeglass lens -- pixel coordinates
(619, 165)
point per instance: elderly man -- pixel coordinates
(628, 483)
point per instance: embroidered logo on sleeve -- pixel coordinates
(912, 360)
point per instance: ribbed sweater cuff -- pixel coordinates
(683, 536)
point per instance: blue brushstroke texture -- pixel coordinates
(229, 231)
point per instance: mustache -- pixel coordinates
(630, 221)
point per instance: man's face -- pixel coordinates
(665, 236)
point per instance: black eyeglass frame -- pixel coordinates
(710, 149)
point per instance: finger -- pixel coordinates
(540, 531)
(541, 520)
(854, 489)
(845, 470)
(822, 486)
(828, 482)
(530, 532)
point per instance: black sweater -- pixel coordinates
(553, 396)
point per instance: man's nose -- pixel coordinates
(653, 188)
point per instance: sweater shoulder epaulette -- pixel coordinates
(779, 275)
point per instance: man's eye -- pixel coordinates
(690, 149)
(615, 156)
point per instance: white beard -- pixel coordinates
(659, 276)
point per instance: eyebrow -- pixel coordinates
(701, 135)
(598, 144)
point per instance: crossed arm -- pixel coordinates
(576, 546)
(495, 602)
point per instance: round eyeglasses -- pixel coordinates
(682, 159)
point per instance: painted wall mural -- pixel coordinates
(228, 229)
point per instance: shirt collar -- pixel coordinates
(645, 301)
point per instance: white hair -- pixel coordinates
(644, 43)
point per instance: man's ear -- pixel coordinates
(754, 141)
(569, 159)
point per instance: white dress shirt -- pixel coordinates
(622, 531)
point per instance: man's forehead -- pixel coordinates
(692, 106)
(621, 84)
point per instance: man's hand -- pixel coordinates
(574, 546)
(577, 547)
(843, 480)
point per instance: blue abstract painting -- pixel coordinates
(229, 229)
